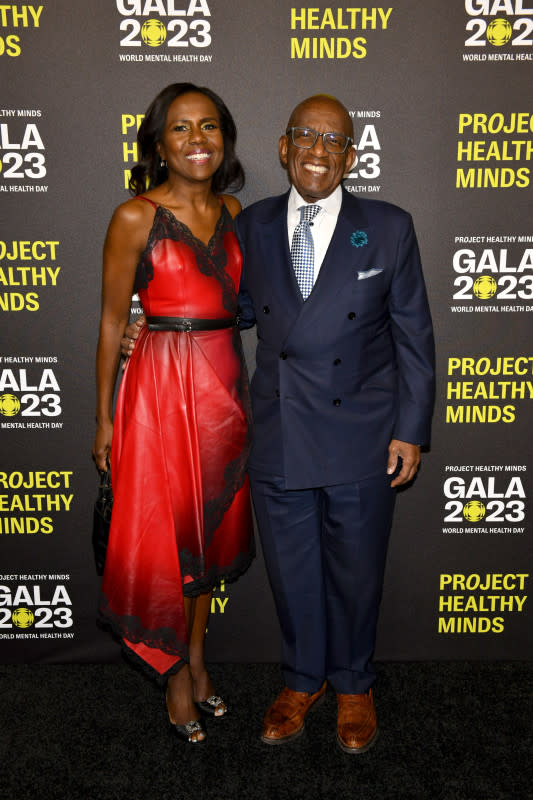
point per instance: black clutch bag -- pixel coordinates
(102, 520)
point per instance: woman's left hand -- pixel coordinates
(102, 445)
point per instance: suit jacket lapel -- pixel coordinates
(274, 244)
(342, 257)
(337, 271)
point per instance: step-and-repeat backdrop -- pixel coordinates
(440, 99)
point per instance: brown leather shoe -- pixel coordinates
(357, 726)
(284, 719)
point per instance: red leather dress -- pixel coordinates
(181, 515)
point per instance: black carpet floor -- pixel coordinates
(448, 731)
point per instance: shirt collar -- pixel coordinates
(331, 204)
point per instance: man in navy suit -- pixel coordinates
(342, 400)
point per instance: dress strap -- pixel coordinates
(142, 197)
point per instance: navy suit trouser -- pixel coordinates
(325, 550)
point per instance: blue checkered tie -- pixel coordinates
(303, 251)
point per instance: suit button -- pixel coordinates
(283, 355)
(351, 315)
(266, 310)
(337, 401)
(277, 392)
(336, 362)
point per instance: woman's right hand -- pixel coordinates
(102, 445)
(124, 244)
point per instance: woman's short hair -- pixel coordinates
(150, 172)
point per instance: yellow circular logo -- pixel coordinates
(485, 287)
(153, 32)
(499, 31)
(9, 405)
(22, 617)
(474, 511)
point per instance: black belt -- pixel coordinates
(187, 324)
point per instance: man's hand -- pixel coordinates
(127, 343)
(410, 455)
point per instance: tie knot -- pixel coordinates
(308, 213)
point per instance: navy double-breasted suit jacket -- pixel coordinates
(341, 374)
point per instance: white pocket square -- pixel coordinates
(367, 273)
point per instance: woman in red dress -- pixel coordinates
(179, 441)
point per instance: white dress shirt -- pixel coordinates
(323, 224)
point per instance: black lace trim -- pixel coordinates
(131, 628)
(211, 258)
(195, 565)
(147, 670)
(234, 471)
(243, 385)
(137, 662)
(214, 509)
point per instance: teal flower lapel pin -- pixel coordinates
(359, 239)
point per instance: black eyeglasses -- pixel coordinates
(307, 138)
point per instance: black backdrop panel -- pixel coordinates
(443, 127)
